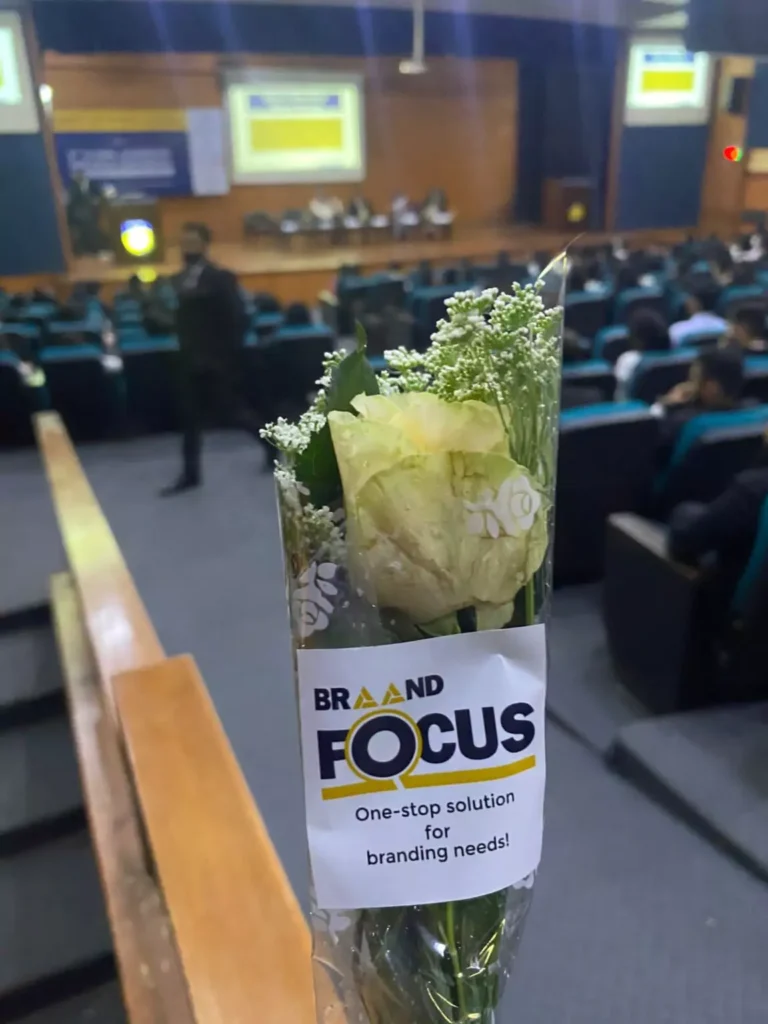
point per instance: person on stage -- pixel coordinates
(211, 323)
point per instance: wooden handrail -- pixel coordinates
(151, 975)
(119, 627)
(243, 940)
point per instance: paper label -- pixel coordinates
(423, 767)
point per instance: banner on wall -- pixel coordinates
(155, 152)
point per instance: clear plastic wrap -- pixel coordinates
(417, 514)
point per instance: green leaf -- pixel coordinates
(352, 377)
(318, 470)
(317, 467)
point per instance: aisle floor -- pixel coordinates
(637, 920)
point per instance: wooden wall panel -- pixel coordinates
(722, 197)
(454, 128)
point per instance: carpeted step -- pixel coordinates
(101, 1005)
(711, 767)
(52, 917)
(39, 781)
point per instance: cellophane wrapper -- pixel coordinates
(380, 568)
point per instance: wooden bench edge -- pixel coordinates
(151, 976)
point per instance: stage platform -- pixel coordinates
(299, 273)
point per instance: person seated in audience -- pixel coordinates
(700, 318)
(722, 531)
(648, 333)
(572, 395)
(747, 330)
(626, 277)
(715, 384)
(577, 279)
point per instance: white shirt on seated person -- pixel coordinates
(699, 321)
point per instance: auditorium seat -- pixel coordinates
(592, 373)
(655, 375)
(606, 462)
(756, 378)
(611, 342)
(282, 372)
(85, 395)
(711, 450)
(635, 300)
(265, 324)
(15, 403)
(587, 312)
(739, 295)
(660, 627)
(149, 369)
(427, 307)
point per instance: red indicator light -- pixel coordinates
(733, 154)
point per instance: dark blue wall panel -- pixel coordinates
(29, 236)
(660, 176)
(757, 123)
(146, 26)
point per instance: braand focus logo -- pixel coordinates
(415, 746)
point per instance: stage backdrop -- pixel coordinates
(454, 128)
(155, 151)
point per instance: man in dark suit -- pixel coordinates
(211, 324)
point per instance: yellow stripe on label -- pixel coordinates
(469, 775)
(268, 135)
(359, 789)
(160, 120)
(667, 81)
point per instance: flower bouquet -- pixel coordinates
(416, 512)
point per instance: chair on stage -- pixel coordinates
(150, 368)
(405, 217)
(606, 462)
(260, 225)
(669, 647)
(655, 375)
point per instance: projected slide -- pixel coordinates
(667, 85)
(286, 128)
(18, 110)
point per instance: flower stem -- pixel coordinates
(450, 927)
(530, 601)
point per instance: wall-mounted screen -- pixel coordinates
(295, 127)
(667, 84)
(18, 107)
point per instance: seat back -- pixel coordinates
(657, 374)
(605, 465)
(633, 300)
(586, 312)
(150, 369)
(739, 295)
(709, 464)
(595, 373)
(611, 342)
(79, 390)
(282, 372)
(15, 423)
(756, 378)
(746, 664)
